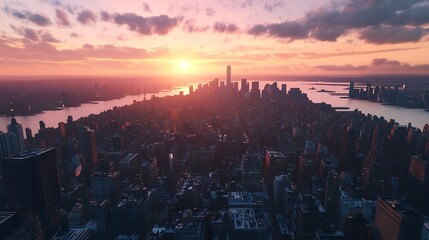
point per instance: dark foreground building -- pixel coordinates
(32, 182)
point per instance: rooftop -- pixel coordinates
(275, 153)
(105, 175)
(4, 216)
(128, 158)
(72, 234)
(245, 219)
(29, 153)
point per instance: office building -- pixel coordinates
(87, 146)
(248, 224)
(244, 86)
(332, 193)
(397, 221)
(190, 229)
(15, 127)
(105, 185)
(228, 76)
(20, 226)
(284, 88)
(276, 163)
(74, 233)
(32, 182)
(279, 185)
(252, 172)
(310, 216)
(418, 184)
(351, 90)
(9, 145)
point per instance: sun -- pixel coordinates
(184, 65)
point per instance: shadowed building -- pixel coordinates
(32, 182)
(395, 221)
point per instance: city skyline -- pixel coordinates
(47, 37)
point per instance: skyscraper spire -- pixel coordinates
(11, 110)
(228, 76)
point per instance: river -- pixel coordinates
(418, 117)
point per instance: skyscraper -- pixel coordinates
(87, 146)
(418, 183)
(332, 193)
(8, 145)
(228, 76)
(351, 89)
(394, 220)
(15, 127)
(31, 180)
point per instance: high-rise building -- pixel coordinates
(28, 134)
(351, 90)
(87, 146)
(418, 184)
(284, 88)
(244, 87)
(8, 145)
(15, 127)
(105, 185)
(22, 226)
(42, 125)
(280, 182)
(252, 172)
(332, 193)
(394, 220)
(31, 180)
(228, 76)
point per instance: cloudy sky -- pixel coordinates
(166, 37)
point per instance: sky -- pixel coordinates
(197, 37)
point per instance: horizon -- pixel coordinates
(170, 39)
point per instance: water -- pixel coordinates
(417, 117)
(52, 118)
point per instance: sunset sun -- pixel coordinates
(184, 65)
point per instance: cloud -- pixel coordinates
(396, 21)
(35, 36)
(385, 61)
(62, 18)
(74, 35)
(222, 27)
(190, 26)
(47, 37)
(146, 7)
(287, 30)
(270, 7)
(30, 34)
(381, 35)
(160, 25)
(35, 18)
(62, 4)
(347, 67)
(380, 65)
(86, 17)
(210, 12)
(105, 16)
(46, 51)
(27, 33)
(397, 66)
(247, 3)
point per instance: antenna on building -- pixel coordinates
(11, 110)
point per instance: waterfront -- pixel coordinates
(418, 117)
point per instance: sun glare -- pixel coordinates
(184, 65)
